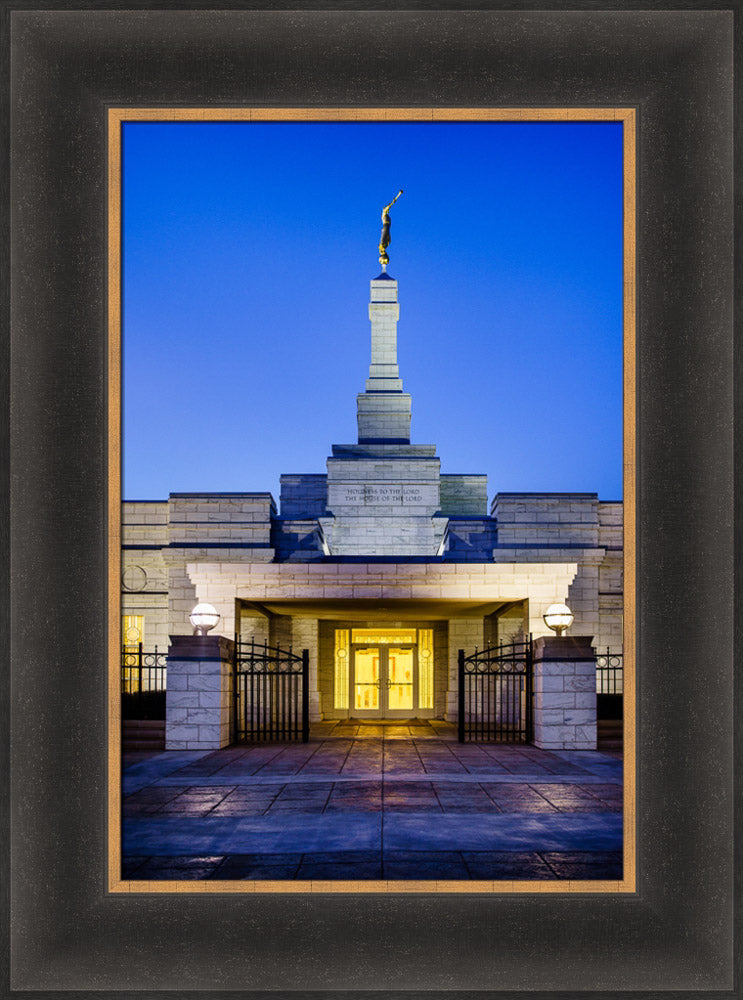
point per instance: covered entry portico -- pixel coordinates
(383, 638)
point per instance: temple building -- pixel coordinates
(381, 566)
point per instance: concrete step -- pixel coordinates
(610, 734)
(143, 734)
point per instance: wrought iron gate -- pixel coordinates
(271, 693)
(495, 694)
(143, 683)
(609, 685)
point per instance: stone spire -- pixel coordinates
(383, 493)
(383, 410)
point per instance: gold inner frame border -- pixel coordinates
(116, 117)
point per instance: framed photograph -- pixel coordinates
(415, 769)
(434, 912)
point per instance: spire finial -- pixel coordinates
(384, 239)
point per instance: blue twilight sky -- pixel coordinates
(248, 250)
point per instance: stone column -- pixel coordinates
(305, 636)
(564, 693)
(466, 634)
(253, 625)
(280, 631)
(198, 701)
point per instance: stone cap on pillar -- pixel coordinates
(564, 647)
(201, 647)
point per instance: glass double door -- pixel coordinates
(383, 683)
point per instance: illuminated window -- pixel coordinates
(340, 695)
(366, 680)
(132, 632)
(384, 637)
(425, 668)
(400, 679)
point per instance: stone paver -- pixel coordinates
(406, 802)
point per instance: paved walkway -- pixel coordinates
(381, 802)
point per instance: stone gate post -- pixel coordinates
(564, 693)
(198, 699)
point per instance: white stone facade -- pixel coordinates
(380, 537)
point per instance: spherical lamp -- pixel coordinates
(203, 618)
(558, 617)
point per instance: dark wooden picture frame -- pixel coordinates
(67, 933)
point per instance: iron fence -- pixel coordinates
(143, 683)
(271, 693)
(495, 694)
(609, 685)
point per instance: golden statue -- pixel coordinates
(384, 239)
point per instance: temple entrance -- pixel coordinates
(383, 683)
(391, 673)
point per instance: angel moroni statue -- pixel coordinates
(384, 239)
